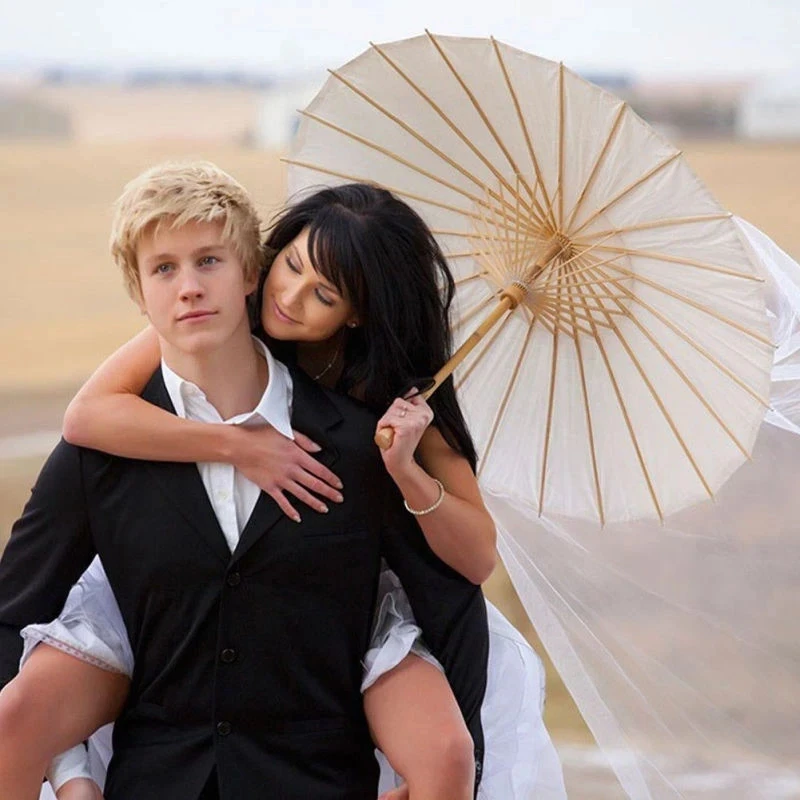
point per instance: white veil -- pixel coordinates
(681, 642)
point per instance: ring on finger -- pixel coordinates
(403, 412)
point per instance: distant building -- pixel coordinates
(689, 108)
(770, 109)
(26, 117)
(278, 118)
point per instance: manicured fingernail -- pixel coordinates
(339, 498)
(339, 485)
(324, 509)
(296, 518)
(317, 448)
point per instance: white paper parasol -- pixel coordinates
(623, 366)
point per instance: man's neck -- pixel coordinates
(233, 378)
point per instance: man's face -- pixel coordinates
(193, 287)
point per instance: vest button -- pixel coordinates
(228, 655)
(233, 579)
(224, 728)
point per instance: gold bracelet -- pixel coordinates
(430, 508)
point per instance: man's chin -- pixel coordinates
(196, 344)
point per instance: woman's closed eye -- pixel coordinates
(323, 298)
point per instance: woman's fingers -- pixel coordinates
(311, 465)
(306, 476)
(304, 496)
(284, 505)
(307, 444)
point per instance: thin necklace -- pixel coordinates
(329, 364)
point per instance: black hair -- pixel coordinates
(380, 254)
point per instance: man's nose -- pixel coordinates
(191, 286)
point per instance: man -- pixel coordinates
(247, 629)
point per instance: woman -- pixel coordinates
(358, 295)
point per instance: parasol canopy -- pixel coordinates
(621, 368)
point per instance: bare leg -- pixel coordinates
(416, 722)
(79, 789)
(55, 702)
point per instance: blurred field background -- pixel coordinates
(64, 308)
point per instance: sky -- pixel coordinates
(645, 38)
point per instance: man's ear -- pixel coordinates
(250, 285)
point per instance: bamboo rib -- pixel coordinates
(494, 256)
(561, 313)
(528, 140)
(510, 386)
(409, 164)
(660, 403)
(468, 315)
(669, 259)
(429, 100)
(540, 235)
(467, 254)
(470, 350)
(549, 421)
(568, 286)
(481, 113)
(595, 168)
(589, 427)
(626, 191)
(661, 223)
(348, 176)
(628, 423)
(517, 237)
(507, 243)
(691, 342)
(560, 189)
(559, 306)
(689, 383)
(468, 278)
(692, 303)
(503, 269)
(508, 300)
(579, 271)
(554, 321)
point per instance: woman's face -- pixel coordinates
(297, 303)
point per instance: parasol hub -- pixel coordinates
(558, 245)
(515, 292)
(564, 243)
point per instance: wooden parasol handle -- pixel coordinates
(511, 297)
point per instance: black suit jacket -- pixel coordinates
(250, 662)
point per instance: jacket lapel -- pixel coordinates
(314, 414)
(182, 484)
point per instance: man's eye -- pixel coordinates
(208, 261)
(163, 269)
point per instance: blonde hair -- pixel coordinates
(175, 194)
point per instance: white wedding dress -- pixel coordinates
(520, 761)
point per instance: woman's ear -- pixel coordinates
(353, 322)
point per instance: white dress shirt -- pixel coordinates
(233, 497)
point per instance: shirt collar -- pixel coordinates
(275, 404)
